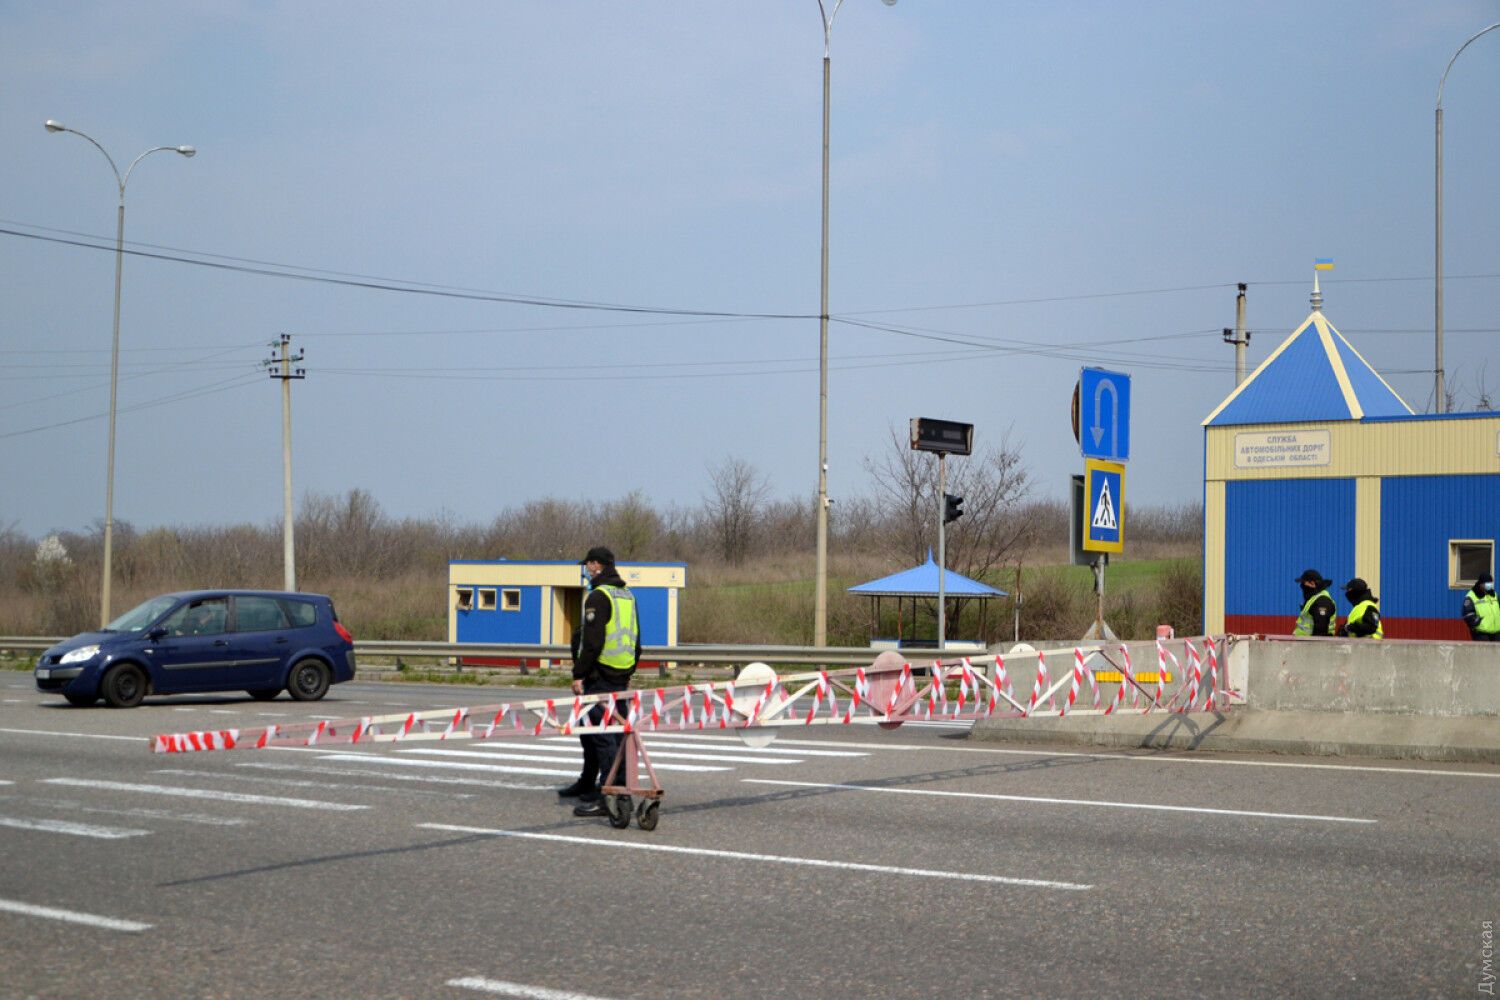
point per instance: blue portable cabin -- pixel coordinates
(541, 602)
(1314, 461)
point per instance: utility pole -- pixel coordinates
(281, 368)
(1239, 337)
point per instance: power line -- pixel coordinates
(212, 388)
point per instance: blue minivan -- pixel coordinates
(261, 642)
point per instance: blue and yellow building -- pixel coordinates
(1315, 461)
(500, 601)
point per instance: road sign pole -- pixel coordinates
(942, 499)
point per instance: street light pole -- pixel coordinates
(1440, 390)
(820, 596)
(114, 352)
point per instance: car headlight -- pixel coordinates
(80, 654)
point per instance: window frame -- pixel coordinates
(1457, 580)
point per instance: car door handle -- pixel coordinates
(281, 640)
(221, 642)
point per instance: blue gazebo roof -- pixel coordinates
(1314, 375)
(922, 581)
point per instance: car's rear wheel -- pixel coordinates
(124, 686)
(263, 694)
(81, 700)
(308, 680)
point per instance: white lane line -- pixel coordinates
(4, 782)
(428, 779)
(71, 829)
(72, 917)
(205, 793)
(553, 752)
(1063, 802)
(13, 701)
(82, 736)
(272, 715)
(434, 752)
(703, 852)
(69, 805)
(185, 709)
(685, 741)
(502, 988)
(222, 711)
(1139, 758)
(303, 783)
(455, 764)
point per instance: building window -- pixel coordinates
(1467, 558)
(464, 598)
(510, 599)
(487, 599)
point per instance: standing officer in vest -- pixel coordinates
(1364, 617)
(1482, 610)
(608, 648)
(1318, 609)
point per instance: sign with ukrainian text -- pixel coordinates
(1281, 449)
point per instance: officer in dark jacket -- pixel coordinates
(1482, 610)
(1318, 609)
(1364, 614)
(608, 648)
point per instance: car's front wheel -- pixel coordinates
(124, 686)
(309, 680)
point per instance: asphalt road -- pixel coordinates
(849, 862)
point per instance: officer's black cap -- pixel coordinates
(599, 554)
(1313, 576)
(1356, 585)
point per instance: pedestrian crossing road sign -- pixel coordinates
(1104, 508)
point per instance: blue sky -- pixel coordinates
(1018, 189)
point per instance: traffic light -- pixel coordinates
(953, 508)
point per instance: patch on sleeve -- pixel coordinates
(588, 615)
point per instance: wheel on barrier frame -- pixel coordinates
(618, 807)
(647, 814)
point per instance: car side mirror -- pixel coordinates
(155, 634)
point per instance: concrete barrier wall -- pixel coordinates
(1405, 677)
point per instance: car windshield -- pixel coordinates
(138, 617)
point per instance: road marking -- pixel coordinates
(68, 805)
(82, 736)
(498, 754)
(71, 829)
(455, 764)
(1062, 802)
(685, 742)
(272, 715)
(222, 711)
(517, 989)
(205, 793)
(72, 917)
(295, 783)
(703, 852)
(436, 752)
(1147, 758)
(4, 782)
(185, 709)
(431, 779)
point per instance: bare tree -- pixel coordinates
(630, 526)
(997, 526)
(734, 507)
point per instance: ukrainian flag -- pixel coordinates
(1323, 264)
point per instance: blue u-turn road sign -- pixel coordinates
(1104, 414)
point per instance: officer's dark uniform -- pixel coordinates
(1318, 609)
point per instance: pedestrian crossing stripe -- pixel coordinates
(1104, 514)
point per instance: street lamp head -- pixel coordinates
(53, 126)
(187, 151)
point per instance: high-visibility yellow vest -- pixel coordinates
(1305, 620)
(1488, 610)
(1358, 614)
(623, 630)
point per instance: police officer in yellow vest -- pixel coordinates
(1482, 610)
(608, 647)
(1364, 615)
(1318, 610)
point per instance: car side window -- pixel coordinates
(205, 617)
(258, 614)
(303, 613)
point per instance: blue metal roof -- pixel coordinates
(922, 581)
(1314, 375)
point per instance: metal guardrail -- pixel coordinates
(841, 656)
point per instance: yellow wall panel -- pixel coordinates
(1367, 531)
(1213, 557)
(1355, 449)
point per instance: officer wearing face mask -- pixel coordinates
(1482, 610)
(1318, 609)
(1364, 614)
